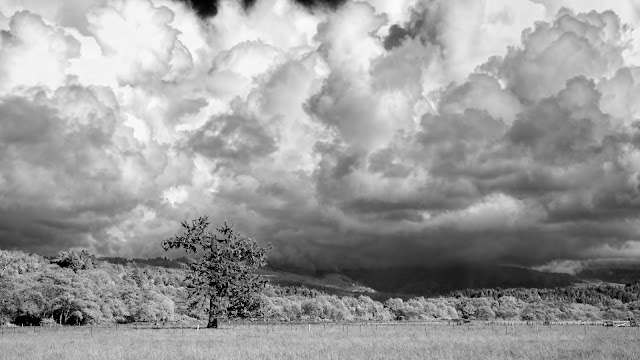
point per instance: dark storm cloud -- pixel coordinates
(425, 20)
(445, 247)
(33, 230)
(396, 35)
(209, 8)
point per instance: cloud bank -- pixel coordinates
(368, 133)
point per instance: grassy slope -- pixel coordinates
(330, 342)
(336, 284)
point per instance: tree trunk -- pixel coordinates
(213, 320)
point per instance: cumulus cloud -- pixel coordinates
(355, 133)
(587, 45)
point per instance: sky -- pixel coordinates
(346, 133)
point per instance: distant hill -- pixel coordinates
(619, 276)
(385, 283)
(410, 282)
(330, 283)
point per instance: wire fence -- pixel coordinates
(309, 326)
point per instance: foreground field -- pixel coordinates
(401, 341)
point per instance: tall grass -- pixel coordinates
(325, 342)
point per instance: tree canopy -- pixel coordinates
(224, 278)
(74, 261)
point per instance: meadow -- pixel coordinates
(324, 341)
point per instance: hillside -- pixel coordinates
(384, 283)
(613, 275)
(411, 282)
(331, 283)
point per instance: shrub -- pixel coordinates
(48, 322)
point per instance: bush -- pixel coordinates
(48, 322)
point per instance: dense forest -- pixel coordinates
(77, 288)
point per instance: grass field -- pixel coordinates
(401, 341)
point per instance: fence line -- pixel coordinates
(306, 326)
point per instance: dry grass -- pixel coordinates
(326, 342)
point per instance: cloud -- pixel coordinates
(463, 34)
(232, 138)
(356, 134)
(587, 45)
(571, 267)
(628, 10)
(481, 92)
(625, 254)
(628, 249)
(209, 8)
(27, 42)
(495, 211)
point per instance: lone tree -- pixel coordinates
(69, 259)
(225, 274)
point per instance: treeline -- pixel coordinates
(34, 289)
(80, 289)
(602, 296)
(331, 308)
(164, 262)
